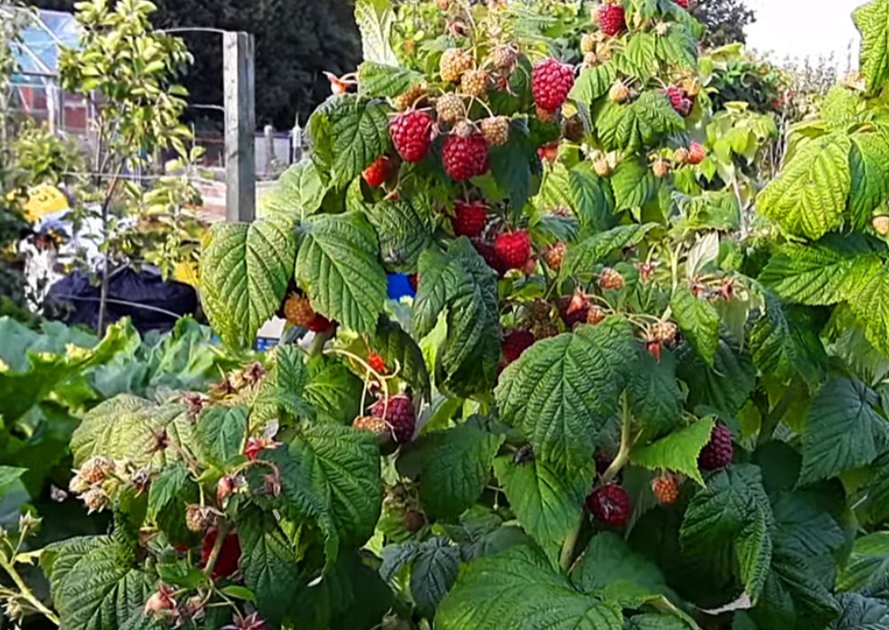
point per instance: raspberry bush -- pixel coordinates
(632, 389)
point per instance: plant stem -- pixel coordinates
(221, 534)
(626, 443)
(567, 556)
(26, 591)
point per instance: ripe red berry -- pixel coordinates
(414, 279)
(513, 248)
(320, 324)
(549, 152)
(551, 82)
(400, 415)
(489, 253)
(229, 554)
(465, 155)
(680, 101)
(412, 134)
(376, 363)
(719, 452)
(666, 489)
(571, 314)
(469, 219)
(514, 345)
(612, 19)
(682, 3)
(377, 173)
(696, 153)
(611, 505)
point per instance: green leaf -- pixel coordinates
(455, 467)
(590, 197)
(655, 622)
(519, 589)
(868, 563)
(380, 80)
(678, 451)
(870, 303)
(633, 184)
(698, 321)
(585, 255)
(245, 270)
(784, 342)
(165, 487)
(434, 566)
(221, 432)
(375, 19)
(679, 46)
(733, 507)
(726, 385)
(404, 231)
(655, 398)
(793, 596)
(101, 589)
(563, 390)
(9, 475)
(344, 468)
(809, 197)
(269, 562)
(333, 391)
(239, 592)
(842, 108)
(298, 193)
(348, 132)
(870, 181)
(821, 274)
(546, 502)
(460, 283)
(511, 165)
(397, 347)
(593, 83)
(843, 430)
(283, 388)
(611, 570)
(632, 126)
(861, 613)
(872, 20)
(337, 265)
(639, 59)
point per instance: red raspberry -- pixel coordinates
(666, 489)
(696, 153)
(551, 82)
(682, 3)
(400, 415)
(549, 152)
(489, 253)
(611, 505)
(465, 154)
(680, 100)
(229, 554)
(603, 461)
(377, 173)
(412, 134)
(469, 219)
(514, 345)
(320, 324)
(612, 19)
(377, 426)
(376, 363)
(513, 248)
(571, 314)
(719, 452)
(414, 279)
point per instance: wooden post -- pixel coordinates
(240, 127)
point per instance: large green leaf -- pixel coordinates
(679, 46)
(867, 565)
(726, 385)
(585, 255)
(519, 589)
(843, 430)
(870, 303)
(338, 266)
(460, 283)
(349, 132)
(397, 347)
(733, 508)
(455, 466)
(344, 468)
(245, 270)
(563, 390)
(678, 451)
(633, 183)
(298, 194)
(380, 80)
(870, 181)
(404, 230)
(861, 613)
(609, 569)
(809, 197)
(793, 596)
(698, 321)
(872, 20)
(546, 503)
(221, 432)
(512, 164)
(269, 560)
(590, 196)
(784, 342)
(333, 391)
(283, 388)
(433, 569)
(655, 398)
(593, 83)
(631, 126)
(375, 20)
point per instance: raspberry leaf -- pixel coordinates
(221, 432)
(870, 303)
(585, 255)
(349, 133)
(679, 46)
(793, 594)
(375, 20)
(344, 467)
(434, 565)
(268, 559)
(655, 397)
(283, 388)
(385, 81)
(245, 269)
(650, 621)
(733, 510)
(526, 591)
(404, 229)
(593, 83)
(872, 20)
(633, 184)
(725, 385)
(333, 391)
(639, 59)
(562, 390)
(337, 265)
(298, 193)
(843, 430)
(166, 487)
(858, 611)
(870, 181)
(460, 283)
(678, 451)
(809, 197)
(699, 322)
(511, 164)
(868, 563)
(784, 343)
(454, 467)
(545, 502)
(631, 126)
(398, 348)
(590, 197)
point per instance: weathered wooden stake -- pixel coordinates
(240, 127)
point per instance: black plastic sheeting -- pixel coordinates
(151, 302)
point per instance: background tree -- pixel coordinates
(725, 20)
(311, 36)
